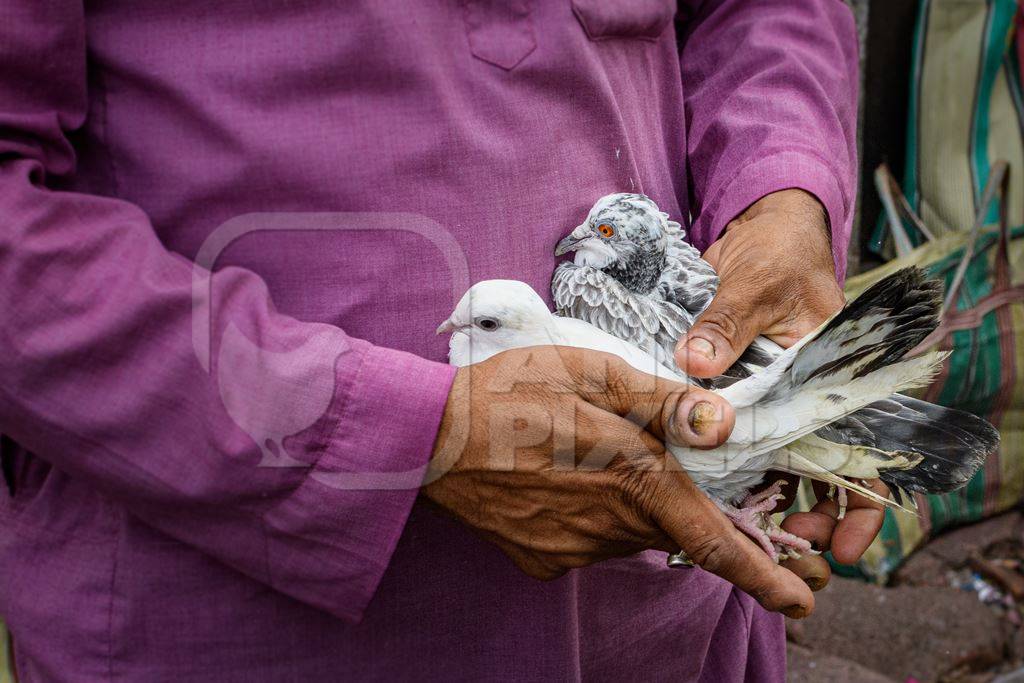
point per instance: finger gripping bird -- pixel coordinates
(853, 364)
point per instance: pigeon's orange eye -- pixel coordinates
(606, 230)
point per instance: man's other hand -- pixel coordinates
(778, 280)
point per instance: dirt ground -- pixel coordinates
(952, 614)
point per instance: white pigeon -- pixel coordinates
(853, 360)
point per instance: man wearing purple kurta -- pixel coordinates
(213, 478)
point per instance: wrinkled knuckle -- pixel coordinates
(573, 356)
(816, 284)
(765, 596)
(571, 359)
(618, 388)
(710, 552)
(635, 486)
(724, 320)
(614, 363)
(799, 281)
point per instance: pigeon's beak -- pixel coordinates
(446, 327)
(571, 241)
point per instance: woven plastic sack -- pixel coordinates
(983, 328)
(966, 108)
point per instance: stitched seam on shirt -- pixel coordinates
(113, 583)
(581, 17)
(101, 89)
(344, 414)
(344, 394)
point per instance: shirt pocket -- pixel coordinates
(607, 19)
(500, 32)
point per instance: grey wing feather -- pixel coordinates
(588, 294)
(952, 443)
(688, 281)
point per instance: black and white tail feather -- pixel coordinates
(855, 363)
(951, 444)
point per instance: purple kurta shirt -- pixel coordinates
(186, 505)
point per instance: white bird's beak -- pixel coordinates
(446, 327)
(573, 240)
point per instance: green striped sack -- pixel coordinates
(966, 110)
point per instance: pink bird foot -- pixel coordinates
(753, 517)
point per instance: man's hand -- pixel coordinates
(556, 455)
(847, 538)
(778, 280)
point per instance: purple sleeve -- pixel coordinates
(771, 104)
(103, 374)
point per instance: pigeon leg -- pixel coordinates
(765, 500)
(752, 524)
(791, 545)
(753, 517)
(838, 494)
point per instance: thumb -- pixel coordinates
(721, 334)
(681, 414)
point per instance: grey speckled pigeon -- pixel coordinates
(635, 276)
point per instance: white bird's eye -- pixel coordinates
(487, 324)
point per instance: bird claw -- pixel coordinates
(838, 494)
(765, 500)
(753, 517)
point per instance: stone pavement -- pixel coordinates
(930, 625)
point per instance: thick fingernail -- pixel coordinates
(700, 422)
(701, 347)
(702, 419)
(816, 583)
(795, 611)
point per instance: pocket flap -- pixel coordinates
(603, 19)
